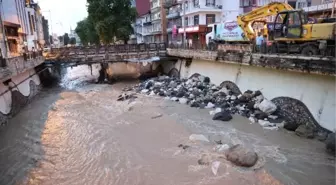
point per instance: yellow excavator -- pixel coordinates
(291, 32)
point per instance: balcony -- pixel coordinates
(173, 15)
(317, 8)
(169, 3)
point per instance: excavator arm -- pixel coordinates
(245, 21)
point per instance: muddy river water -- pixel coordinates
(80, 135)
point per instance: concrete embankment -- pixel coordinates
(20, 83)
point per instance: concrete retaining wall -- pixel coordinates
(317, 92)
(17, 92)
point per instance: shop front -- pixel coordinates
(195, 36)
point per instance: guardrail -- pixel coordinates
(108, 49)
(265, 48)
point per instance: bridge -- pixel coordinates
(107, 54)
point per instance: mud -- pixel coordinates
(79, 134)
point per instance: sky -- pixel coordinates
(64, 14)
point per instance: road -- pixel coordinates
(79, 134)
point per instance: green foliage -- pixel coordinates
(66, 39)
(72, 40)
(86, 31)
(112, 19)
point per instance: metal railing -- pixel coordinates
(108, 49)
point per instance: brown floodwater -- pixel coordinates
(79, 134)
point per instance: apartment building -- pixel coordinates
(196, 15)
(174, 21)
(15, 27)
(35, 38)
(319, 8)
(249, 5)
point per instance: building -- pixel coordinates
(319, 8)
(15, 26)
(35, 38)
(174, 21)
(196, 15)
(46, 35)
(142, 26)
(249, 5)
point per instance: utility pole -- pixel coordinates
(183, 23)
(333, 9)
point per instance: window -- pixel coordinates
(195, 3)
(210, 2)
(196, 20)
(33, 22)
(294, 18)
(245, 3)
(30, 23)
(186, 21)
(186, 5)
(210, 18)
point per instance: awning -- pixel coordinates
(11, 24)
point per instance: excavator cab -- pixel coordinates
(289, 24)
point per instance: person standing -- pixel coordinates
(259, 41)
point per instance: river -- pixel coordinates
(78, 134)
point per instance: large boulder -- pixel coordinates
(222, 116)
(330, 143)
(291, 125)
(267, 106)
(305, 131)
(242, 156)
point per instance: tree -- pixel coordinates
(87, 32)
(66, 39)
(112, 19)
(72, 40)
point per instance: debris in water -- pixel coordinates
(126, 96)
(221, 147)
(214, 167)
(198, 137)
(157, 116)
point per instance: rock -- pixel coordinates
(256, 93)
(144, 91)
(158, 84)
(267, 106)
(330, 143)
(206, 80)
(198, 137)
(194, 104)
(205, 160)
(250, 105)
(161, 93)
(167, 98)
(290, 125)
(305, 131)
(202, 105)
(321, 135)
(210, 105)
(260, 115)
(214, 167)
(152, 93)
(213, 112)
(183, 100)
(191, 96)
(259, 99)
(233, 97)
(149, 84)
(225, 106)
(172, 84)
(222, 116)
(221, 147)
(241, 156)
(173, 99)
(274, 117)
(264, 123)
(252, 119)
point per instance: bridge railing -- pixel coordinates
(108, 49)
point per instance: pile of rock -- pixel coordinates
(200, 93)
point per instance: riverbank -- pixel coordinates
(87, 137)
